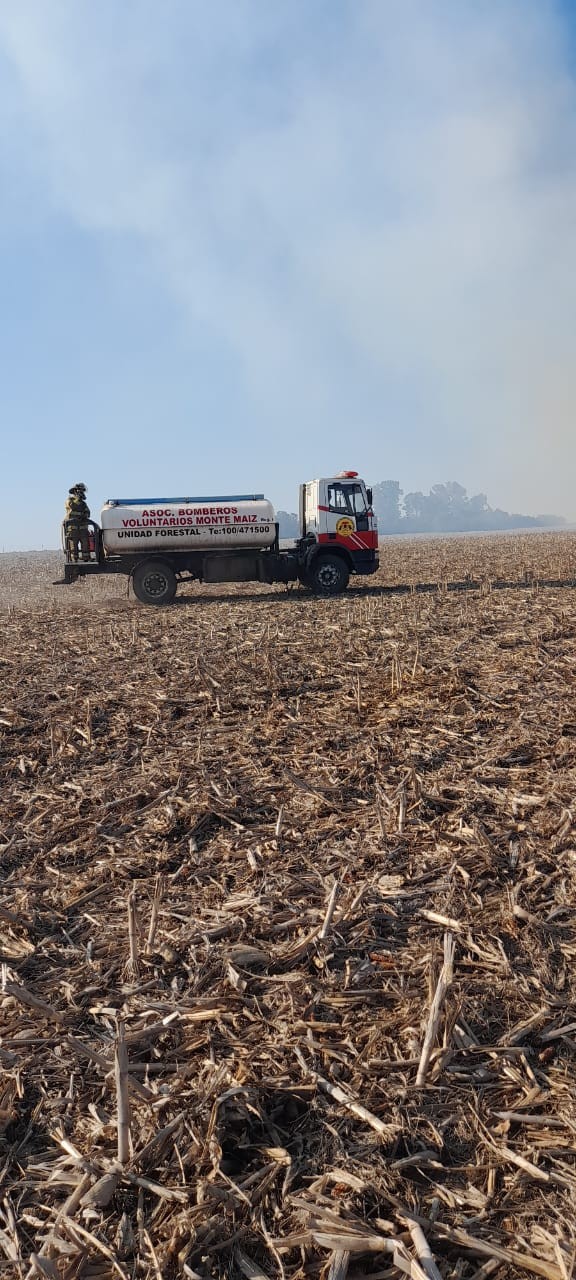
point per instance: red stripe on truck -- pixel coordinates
(365, 541)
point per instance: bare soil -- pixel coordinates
(287, 923)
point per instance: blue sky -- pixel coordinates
(246, 243)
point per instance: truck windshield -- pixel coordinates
(346, 499)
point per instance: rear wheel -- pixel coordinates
(328, 575)
(154, 582)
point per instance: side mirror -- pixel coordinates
(369, 497)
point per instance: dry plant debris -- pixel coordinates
(287, 925)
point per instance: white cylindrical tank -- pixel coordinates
(187, 524)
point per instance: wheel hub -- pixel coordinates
(155, 584)
(328, 575)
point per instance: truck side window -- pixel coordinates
(337, 499)
(346, 499)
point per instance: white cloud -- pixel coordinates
(360, 193)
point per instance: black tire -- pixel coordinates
(328, 575)
(154, 582)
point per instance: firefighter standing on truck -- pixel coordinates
(76, 523)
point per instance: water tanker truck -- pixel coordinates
(159, 542)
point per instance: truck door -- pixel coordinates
(349, 518)
(347, 499)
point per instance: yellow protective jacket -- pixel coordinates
(77, 510)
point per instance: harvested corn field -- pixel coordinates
(287, 925)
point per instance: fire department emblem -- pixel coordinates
(345, 526)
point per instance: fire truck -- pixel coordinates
(159, 542)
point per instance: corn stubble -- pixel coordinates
(287, 925)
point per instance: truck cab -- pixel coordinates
(336, 515)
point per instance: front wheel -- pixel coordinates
(328, 575)
(154, 582)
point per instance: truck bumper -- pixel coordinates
(365, 561)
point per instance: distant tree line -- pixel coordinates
(445, 509)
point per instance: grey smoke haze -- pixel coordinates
(361, 212)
